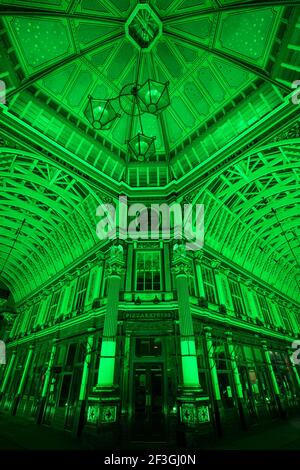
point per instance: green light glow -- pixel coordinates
(145, 332)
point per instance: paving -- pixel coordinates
(18, 433)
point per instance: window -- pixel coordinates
(264, 309)
(285, 317)
(81, 292)
(53, 306)
(148, 269)
(209, 284)
(33, 315)
(148, 347)
(237, 299)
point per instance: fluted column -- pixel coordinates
(216, 399)
(7, 373)
(109, 340)
(236, 378)
(81, 406)
(22, 381)
(275, 387)
(46, 383)
(181, 268)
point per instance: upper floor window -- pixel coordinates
(148, 271)
(33, 314)
(81, 292)
(264, 309)
(285, 317)
(53, 305)
(209, 284)
(236, 295)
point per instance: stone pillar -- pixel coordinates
(81, 407)
(192, 405)
(41, 409)
(216, 398)
(236, 378)
(104, 402)
(109, 339)
(22, 382)
(8, 373)
(181, 268)
(275, 387)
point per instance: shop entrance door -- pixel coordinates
(148, 402)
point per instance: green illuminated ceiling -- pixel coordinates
(209, 58)
(224, 138)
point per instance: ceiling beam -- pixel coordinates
(191, 15)
(32, 79)
(260, 73)
(17, 11)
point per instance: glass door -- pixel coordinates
(148, 402)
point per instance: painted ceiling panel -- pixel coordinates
(233, 75)
(88, 32)
(43, 4)
(194, 3)
(165, 54)
(121, 5)
(248, 33)
(40, 40)
(210, 82)
(57, 81)
(93, 5)
(121, 60)
(80, 89)
(197, 28)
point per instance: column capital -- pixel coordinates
(181, 264)
(264, 344)
(116, 261)
(207, 331)
(228, 335)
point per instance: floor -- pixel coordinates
(21, 434)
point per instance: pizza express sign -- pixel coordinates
(148, 316)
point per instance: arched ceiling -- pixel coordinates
(252, 213)
(224, 137)
(47, 220)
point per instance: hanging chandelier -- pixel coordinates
(101, 113)
(153, 96)
(135, 100)
(142, 147)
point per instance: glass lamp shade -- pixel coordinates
(153, 96)
(100, 113)
(142, 147)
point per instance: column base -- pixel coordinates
(217, 405)
(281, 411)
(79, 420)
(103, 414)
(40, 412)
(241, 413)
(194, 415)
(15, 405)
